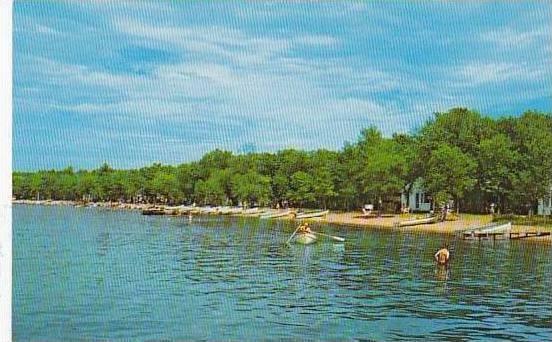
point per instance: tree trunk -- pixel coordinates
(457, 206)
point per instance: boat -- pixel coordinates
(426, 220)
(235, 211)
(223, 211)
(305, 238)
(277, 214)
(153, 211)
(175, 211)
(258, 214)
(186, 209)
(251, 212)
(312, 215)
(229, 211)
(208, 210)
(496, 230)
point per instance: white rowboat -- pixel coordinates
(305, 238)
(278, 214)
(312, 215)
(416, 222)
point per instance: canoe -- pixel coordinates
(187, 209)
(305, 238)
(234, 211)
(230, 211)
(427, 220)
(253, 212)
(312, 215)
(224, 211)
(258, 214)
(171, 212)
(278, 214)
(250, 211)
(208, 210)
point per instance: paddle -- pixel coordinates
(292, 235)
(336, 238)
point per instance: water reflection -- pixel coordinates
(442, 272)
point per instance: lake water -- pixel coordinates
(83, 273)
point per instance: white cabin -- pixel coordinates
(545, 205)
(417, 199)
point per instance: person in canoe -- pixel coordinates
(442, 256)
(304, 228)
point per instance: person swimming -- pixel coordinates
(442, 256)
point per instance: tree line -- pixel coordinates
(459, 155)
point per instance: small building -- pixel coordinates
(415, 198)
(545, 205)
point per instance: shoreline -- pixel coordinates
(341, 219)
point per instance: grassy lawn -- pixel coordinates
(535, 220)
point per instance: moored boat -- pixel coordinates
(495, 228)
(277, 214)
(494, 231)
(427, 220)
(222, 211)
(153, 211)
(258, 214)
(251, 212)
(313, 214)
(235, 211)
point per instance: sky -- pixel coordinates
(132, 83)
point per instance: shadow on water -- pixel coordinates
(114, 275)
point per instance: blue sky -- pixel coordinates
(131, 83)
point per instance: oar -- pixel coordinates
(336, 238)
(292, 235)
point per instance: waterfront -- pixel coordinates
(89, 273)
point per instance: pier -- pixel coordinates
(523, 235)
(500, 232)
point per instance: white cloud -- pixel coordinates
(45, 29)
(508, 37)
(476, 73)
(314, 40)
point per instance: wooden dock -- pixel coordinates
(474, 235)
(524, 235)
(500, 232)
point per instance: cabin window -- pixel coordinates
(417, 200)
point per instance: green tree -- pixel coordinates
(531, 134)
(251, 188)
(384, 166)
(166, 187)
(301, 190)
(186, 178)
(450, 171)
(323, 185)
(496, 162)
(215, 189)
(458, 127)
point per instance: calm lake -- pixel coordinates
(84, 273)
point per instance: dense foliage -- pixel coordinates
(460, 155)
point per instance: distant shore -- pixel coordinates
(347, 219)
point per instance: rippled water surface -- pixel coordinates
(82, 273)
